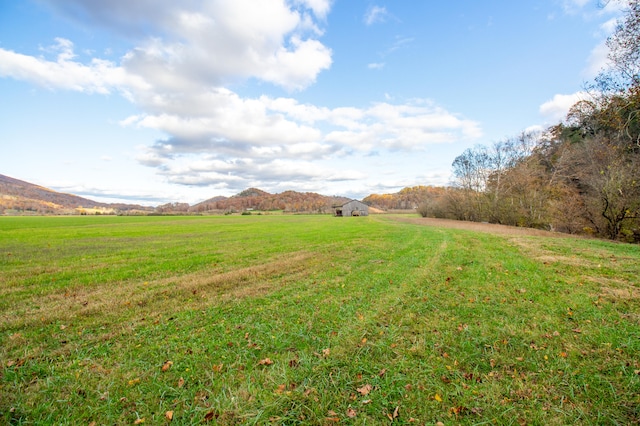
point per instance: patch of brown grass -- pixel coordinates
(192, 291)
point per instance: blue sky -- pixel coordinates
(155, 101)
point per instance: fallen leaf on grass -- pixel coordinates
(351, 413)
(17, 363)
(181, 382)
(139, 421)
(437, 398)
(364, 390)
(333, 419)
(395, 414)
(382, 372)
(217, 368)
(210, 416)
(167, 365)
(168, 415)
(326, 352)
(265, 361)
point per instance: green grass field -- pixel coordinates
(312, 320)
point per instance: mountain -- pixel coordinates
(257, 199)
(19, 196)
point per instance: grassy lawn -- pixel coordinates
(312, 320)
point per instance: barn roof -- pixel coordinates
(350, 201)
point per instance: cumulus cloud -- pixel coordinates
(180, 45)
(98, 76)
(178, 71)
(556, 109)
(320, 7)
(598, 61)
(271, 140)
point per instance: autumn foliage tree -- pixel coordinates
(582, 175)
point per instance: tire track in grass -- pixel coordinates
(365, 323)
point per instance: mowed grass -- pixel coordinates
(312, 320)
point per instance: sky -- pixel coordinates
(157, 101)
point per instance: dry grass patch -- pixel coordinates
(617, 289)
(192, 291)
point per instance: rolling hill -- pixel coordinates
(20, 197)
(17, 196)
(257, 199)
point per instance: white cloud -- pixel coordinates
(574, 6)
(256, 138)
(375, 14)
(609, 26)
(213, 136)
(98, 76)
(598, 61)
(376, 65)
(319, 7)
(556, 109)
(214, 42)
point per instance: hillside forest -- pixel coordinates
(578, 176)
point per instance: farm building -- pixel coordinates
(351, 208)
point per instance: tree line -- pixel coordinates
(579, 176)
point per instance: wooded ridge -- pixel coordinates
(20, 197)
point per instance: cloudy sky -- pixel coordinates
(155, 101)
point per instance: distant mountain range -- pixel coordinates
(19, 197)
